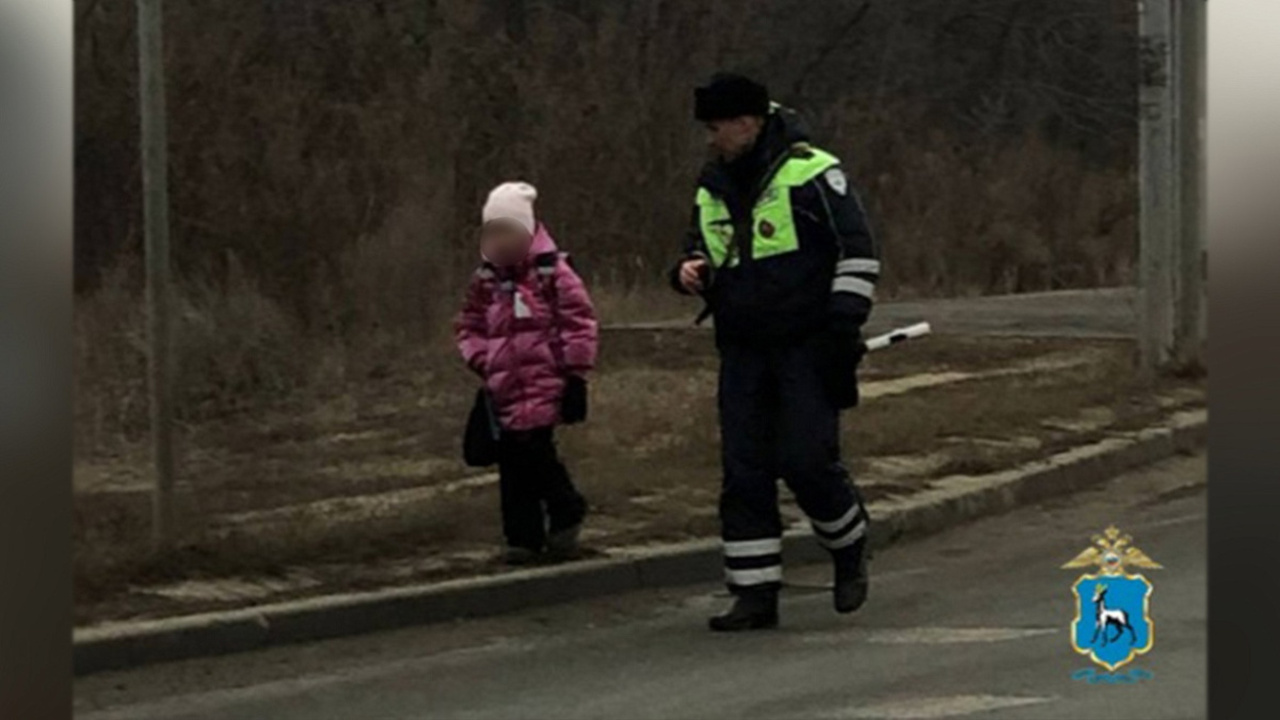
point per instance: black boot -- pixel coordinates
(563, 544)
(519, 556)
(753, 609)
(850, 590)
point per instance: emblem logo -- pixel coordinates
(723, 229)
(1113, 624)
(836, 179)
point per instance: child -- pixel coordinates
(529, 330)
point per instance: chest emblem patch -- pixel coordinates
(835, 177)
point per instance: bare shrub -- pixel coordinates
(328, 160)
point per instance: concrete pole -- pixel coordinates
(1191, 80)
(1157, 181)
(155, 182)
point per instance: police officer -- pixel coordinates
(780, 251)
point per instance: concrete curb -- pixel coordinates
(950, 502)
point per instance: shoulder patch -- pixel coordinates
(837, 181)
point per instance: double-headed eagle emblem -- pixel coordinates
(1113, 552)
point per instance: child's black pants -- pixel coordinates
(537, 494)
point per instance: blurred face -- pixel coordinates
(730, 139)
(505, 242)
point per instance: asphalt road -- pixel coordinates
(1104, 313)
(1111, 312)
(970, 623)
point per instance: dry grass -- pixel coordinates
(636, 304)
(647, 460)
(992, 407)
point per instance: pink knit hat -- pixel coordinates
(512, 201)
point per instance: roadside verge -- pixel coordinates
(948, 502)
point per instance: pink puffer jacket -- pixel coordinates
(510, 335)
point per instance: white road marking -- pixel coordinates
(898, 574)
(929, 635)
(929, 708)
(1171, 521)
(946, 636)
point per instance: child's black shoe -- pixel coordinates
(520, 556)
(563, 544)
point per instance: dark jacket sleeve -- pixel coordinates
(691, 247)
(858, 259)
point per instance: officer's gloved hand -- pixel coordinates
(842, 351)
(573, 407)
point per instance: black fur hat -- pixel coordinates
(729, 96)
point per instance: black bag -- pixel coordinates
(573, 408)
(480, 441)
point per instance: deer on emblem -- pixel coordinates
(1108, 618)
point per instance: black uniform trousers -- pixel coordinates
(777, 421)
(536, 489)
